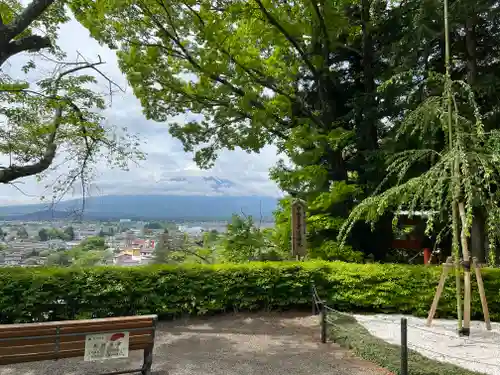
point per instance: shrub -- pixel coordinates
(37, 294)
(331, 250)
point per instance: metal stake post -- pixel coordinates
(404, 346)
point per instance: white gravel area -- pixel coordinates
(479, 352)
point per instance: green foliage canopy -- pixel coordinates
(61, 111)
(308, 77)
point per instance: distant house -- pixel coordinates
(143, 244)
(127, 260)
(132, 251)
(26, 247)
(108, 229)
(72, 244)
(13, 259)
(147, 252)
(192, 231)
(138, 243)
(134, 256)
(82, 234)
(56, 244)
(32, 262)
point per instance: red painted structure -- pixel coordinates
(414, 240)
(427, 255)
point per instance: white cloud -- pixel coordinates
(167, 169)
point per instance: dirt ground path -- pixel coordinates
(239, 344)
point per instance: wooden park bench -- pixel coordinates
(33, 342)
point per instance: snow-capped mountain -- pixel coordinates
(206, 185)
(215, 206)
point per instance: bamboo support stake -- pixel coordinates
(466, 263)
(439, 290)
(458, 294)
(458, 275)
(467, 302)
(482, 295)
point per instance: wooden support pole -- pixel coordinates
(323, 322)
(482, 295)
(467, 302)
(439, 290)
(458, 293)
(467, 265)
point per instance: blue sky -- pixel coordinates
(165, 158)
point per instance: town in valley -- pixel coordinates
(87, 243)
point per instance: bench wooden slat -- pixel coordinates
(16, 344)
(138, 340)
(22, 358)
(90, 326)
(15, 337)
(47, 340)
(25, 331)
(100, 327)
(125, 319)
(68, 323)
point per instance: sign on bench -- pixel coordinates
(106, 346)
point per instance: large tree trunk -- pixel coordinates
(478, 235)
(369, 138)
(471, 45)
(366, 122)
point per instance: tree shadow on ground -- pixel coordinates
(288, 324)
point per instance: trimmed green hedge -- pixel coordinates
(37, 294)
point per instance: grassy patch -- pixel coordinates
(349, 333)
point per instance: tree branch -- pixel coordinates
(34, 10)
(174, 38)
(321, 20)
(14, 172)
(32, 43)
(206, 101)
(292, 41)
(9, 46)
(267, 82)
(261, 78)
(196, 255)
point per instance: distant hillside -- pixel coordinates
(148, 207)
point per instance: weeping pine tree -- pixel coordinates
(461, 176)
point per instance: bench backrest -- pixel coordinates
(66, 339)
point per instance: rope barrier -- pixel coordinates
(328, 319)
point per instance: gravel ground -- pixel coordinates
(240, 344)
(480, 352)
